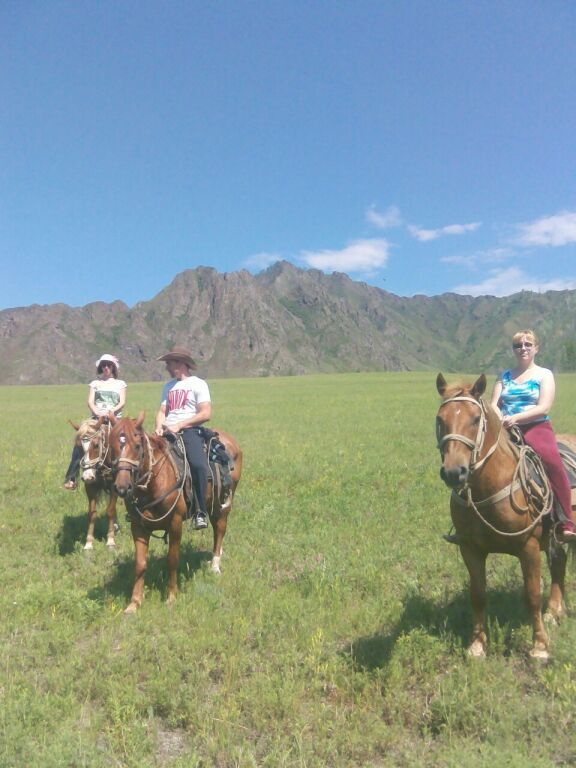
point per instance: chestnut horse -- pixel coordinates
(92, 435)
(147, 479)
(492, 510)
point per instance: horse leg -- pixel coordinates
(112, 522)
(557, 564)
(476, 563)
(219, 528)
(141, 539)
(530, 561)
(91, 493)
(174, 539)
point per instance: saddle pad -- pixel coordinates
(569, 461)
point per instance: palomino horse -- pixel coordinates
(147, 479)
(492, 510)
(92, 435)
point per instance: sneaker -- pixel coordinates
(201, 521)
(70, 485)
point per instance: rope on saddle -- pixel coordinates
(529, 477)
(145, 479)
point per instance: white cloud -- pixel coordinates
(504, 282)
(390, 218)
(425, 235)
(358, 256)
(473, 260)
(549, 230)
(262, 260)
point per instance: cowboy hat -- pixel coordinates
(179, 353)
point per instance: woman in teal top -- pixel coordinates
(523, 396)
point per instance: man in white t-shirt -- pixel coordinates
(185, 405)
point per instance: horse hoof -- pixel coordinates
(476, 650)
(88, 546)
(131, 609)
(539, 654)
(551, 619)
(111, 544)
(214, 568)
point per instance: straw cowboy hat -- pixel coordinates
(179, 353)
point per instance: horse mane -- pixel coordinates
(87, 428)
(158, 441)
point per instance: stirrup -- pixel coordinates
(451, 538)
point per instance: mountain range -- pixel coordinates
(282, 321)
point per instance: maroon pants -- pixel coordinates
(542, 439)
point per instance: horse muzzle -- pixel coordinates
(89, 476)
(124, 491)
(455, 477)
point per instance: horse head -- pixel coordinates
(460, 428)
(92, 437)
(126, 443)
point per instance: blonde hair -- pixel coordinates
(526, 334)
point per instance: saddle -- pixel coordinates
(569, 461)
(219, 462)
(536, 473)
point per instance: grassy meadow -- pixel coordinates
(335, 635)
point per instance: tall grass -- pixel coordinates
(335, 635)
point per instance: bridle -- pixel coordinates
(124, 463)
(98, 463)
(141, 481)
(519, 480)
(476, 445)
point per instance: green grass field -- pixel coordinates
(335, 635)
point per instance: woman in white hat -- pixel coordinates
(106, 394)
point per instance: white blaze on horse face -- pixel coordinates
(457, 411)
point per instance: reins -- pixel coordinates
(143, 480)
(537, 497)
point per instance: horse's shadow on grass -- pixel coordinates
(120, 584)
(505, 607)
(74, 529)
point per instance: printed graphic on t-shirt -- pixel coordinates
(177, 398)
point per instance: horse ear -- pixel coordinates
(479, 386)
(74, 425)
(140, 420)
(112, 419)
(441, 384)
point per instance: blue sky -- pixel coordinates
(421, 146)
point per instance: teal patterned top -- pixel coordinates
(517, 397)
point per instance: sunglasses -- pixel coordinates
(523, 344)
(105, 365)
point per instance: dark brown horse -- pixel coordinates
(492, 510)
(148, 479)
(92, 436)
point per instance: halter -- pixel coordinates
(100, 460)
(474, 445)
(520, 479)
(141, 482)
(133, 464)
